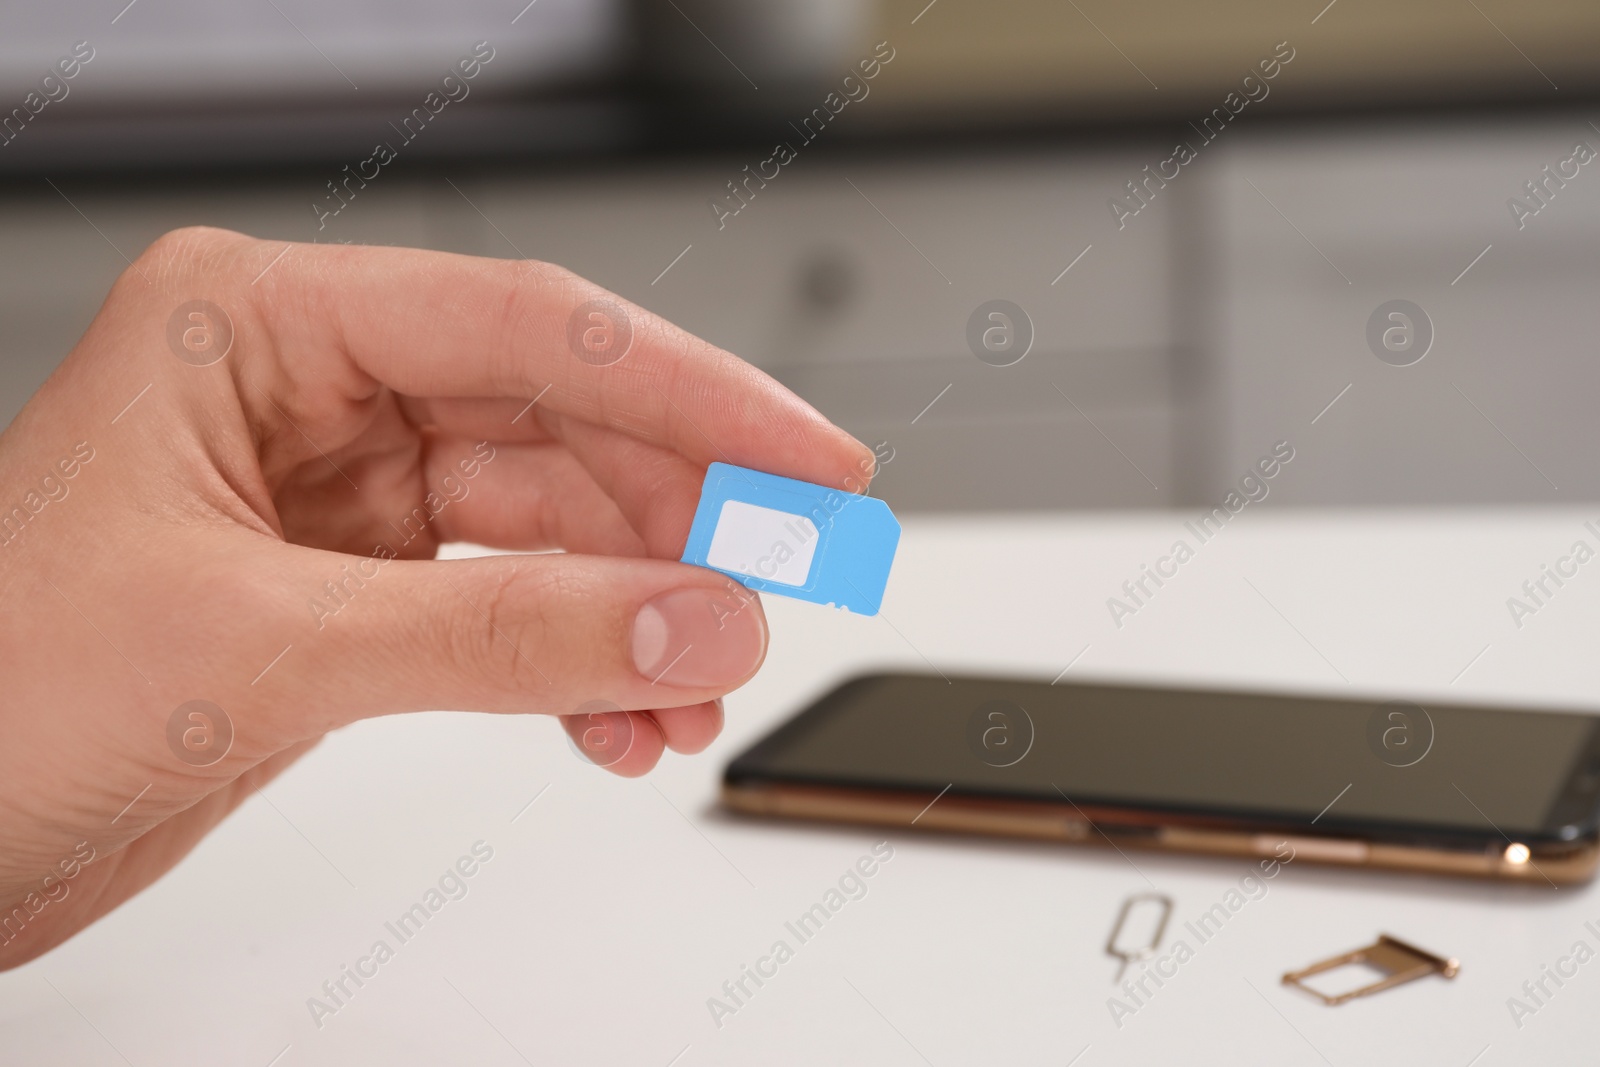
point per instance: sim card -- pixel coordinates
(779, 535)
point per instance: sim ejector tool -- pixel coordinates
(1146, 951)
(1398, 961)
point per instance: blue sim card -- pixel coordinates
(779, 535)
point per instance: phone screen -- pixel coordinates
(1432, 769)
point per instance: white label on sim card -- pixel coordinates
(763, 542)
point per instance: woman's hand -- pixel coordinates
(218, 518)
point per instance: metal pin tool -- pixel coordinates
(1146, 951)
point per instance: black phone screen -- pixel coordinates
(1434, 769)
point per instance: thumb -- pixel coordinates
(540, 633)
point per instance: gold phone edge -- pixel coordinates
(1051, 822)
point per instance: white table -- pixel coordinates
(612, 910)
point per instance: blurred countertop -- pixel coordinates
(612, 910)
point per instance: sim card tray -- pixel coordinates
(1155, 940)
(1402, 962)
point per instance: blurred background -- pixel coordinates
(1178, 312)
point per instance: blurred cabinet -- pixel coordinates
(1184, 341)
(1503, 405)
(853, 283)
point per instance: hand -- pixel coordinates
(238, 502)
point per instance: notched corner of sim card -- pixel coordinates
(864, 558)
(796, 539)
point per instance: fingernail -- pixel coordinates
(690, 637)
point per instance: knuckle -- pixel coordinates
(538, 298)
(514, 633)
(190, 257)
(190, 248)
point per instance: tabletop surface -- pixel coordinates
(602, 915)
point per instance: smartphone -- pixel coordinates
(1448, 789)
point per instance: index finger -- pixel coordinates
(435, 324)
